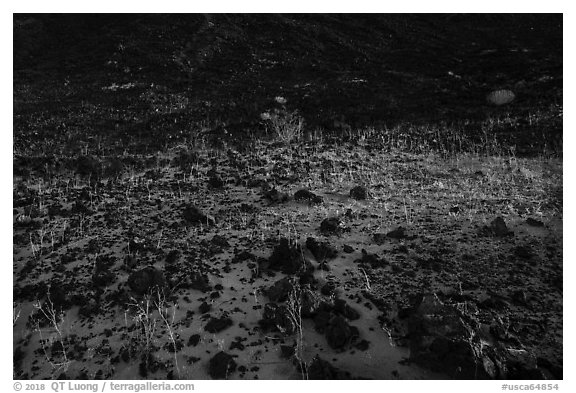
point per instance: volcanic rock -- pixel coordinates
(310, 197)
(280, 290)
(279, 318)
(145, 280)
(287, 257)
(359, 193)
(195, 216)
(441, 340)
(498, 228)
(221, 366)
(342, 308)
(339, 333)
(332, 226)
(216, 325)
(321, 250)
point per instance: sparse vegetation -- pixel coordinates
(189, 226)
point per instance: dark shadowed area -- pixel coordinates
(312, 196)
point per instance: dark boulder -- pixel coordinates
(216, 325)
(348, 249)
(172, 257)
(278, 318)
(359, 193)
(321, 250)
(332, 226)
(398, 233)
(372, 260)
(280, 290)
(342, 308)
(534, 223)
(198, 281)
(193, 340)
(446, 341)
(308, 196)
(194, 216)
(221, 366)
(328, 289)
(497, 228)
(275, 196)
(204, 308)
(146, 280)
(215, 181)
(288, 258)
(339, 333)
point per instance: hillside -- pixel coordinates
(338, 71)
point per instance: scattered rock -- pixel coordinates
(216, 325)
(237, 344)
(328, 288)
(279, 318)
(372, 260)
(288, 258)
(275, 196)
(524, 252)
(310, 197)
(195, 216)
(342, 308)
(172, 257)
(522, 364)
(215, 181)
(198, 281)
(519, 298)
(321, 251)
(348, 249)
(332, 226)
(379, 238)
(89, 309)
(362, 345)
(398, 233)
(243, 256)
(102, 275)
(204, 308)
(216, 245)
(339, 333)
(442, 340)
(280, 290)
(221, 366)
(359, 193)
(534, 223)
(324, 266)
(498, 228)
(146, 280)
(193, 340)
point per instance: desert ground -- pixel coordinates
(193, 198)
